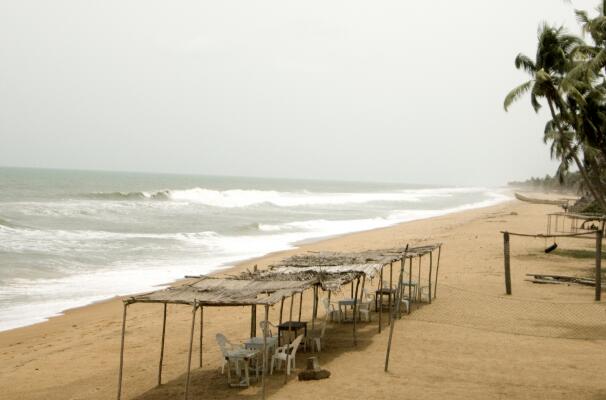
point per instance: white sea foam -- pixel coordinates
(25, 301)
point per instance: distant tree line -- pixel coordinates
(571, 183)
(569, 74)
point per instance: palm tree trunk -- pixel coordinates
(596, 195)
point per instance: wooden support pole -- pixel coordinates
(379, 298)
(598, 264)
(122, 352)
(419, 282)
(507, 263)
(430, 268)
(314, 308)
(352, 285)
(265, 355)
(435, 288)
(401, 288)
(389, 300)
(362, 291)
(399, 301)
(191, 345)
(355, 312)
(300, 304)
(201, 332)
(253, 321)
(292, 299)
(162, 347)
(410, 285)
(281, 308)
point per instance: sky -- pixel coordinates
(407, 91)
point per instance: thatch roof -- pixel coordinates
(209, 291)
(293, 275)
(334, 269)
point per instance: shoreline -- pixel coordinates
(225, 267)
(459, 338)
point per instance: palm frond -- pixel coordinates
(516, 93)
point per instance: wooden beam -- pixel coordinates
(265, 355)
(435, 289)
(281, 308)
(410, 285)
(506, 263)
(162, 347)
(397, 308)
(300, 304)
(379, 302)
(355, 312)
(598, 265)
(253, 321)
(191, 345)
(430, 268)
(122, 352)
(201, 332)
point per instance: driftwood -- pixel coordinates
(560, 279)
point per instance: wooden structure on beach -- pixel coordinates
(328, 271)
(569, 222)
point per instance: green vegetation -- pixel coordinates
(569, 74)
(569, 182)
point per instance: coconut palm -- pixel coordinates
(554, 59)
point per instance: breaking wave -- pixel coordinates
(245, 198)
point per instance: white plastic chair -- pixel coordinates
(288, 354)
(234, 354)
(365, 307)
(333, 313)
(226, 346)
(314, 338)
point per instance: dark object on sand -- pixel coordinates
(560, 279)
(551, 248)
(313, 371)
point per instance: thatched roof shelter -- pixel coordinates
(210, 291)
(312, 270)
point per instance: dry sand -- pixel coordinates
(545, 342)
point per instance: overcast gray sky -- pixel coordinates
(397, 90)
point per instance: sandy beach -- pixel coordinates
(472, 343)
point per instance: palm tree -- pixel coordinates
(552, 62)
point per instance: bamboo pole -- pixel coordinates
(122, 352)
(419, 282)
(397, 308)
(300, 305)
(265, 355)
(281, 308)
(201, 332)
(401, 288)
(162, 346)
(355, 312)
(191, 345)
(362, 291)
(507, 263)
(435, 289)
(390, 289)
(292, 299)
(314, 312)
(409, 285)
(253, 321)
(598, 265)
(430, 268)
(379, 303)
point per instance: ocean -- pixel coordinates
(70, 238)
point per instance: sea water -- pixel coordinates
(69, 238)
